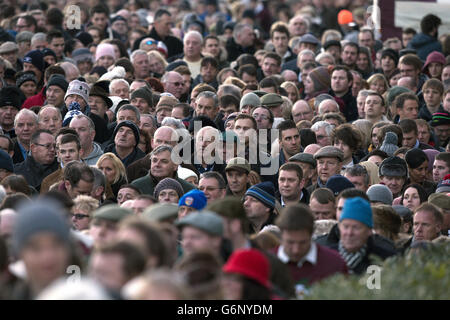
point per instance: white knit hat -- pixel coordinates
(79, 88)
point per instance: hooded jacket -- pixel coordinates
(424, 44)
(96, 153)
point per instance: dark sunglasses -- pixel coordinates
(80, 216)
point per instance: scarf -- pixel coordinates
(352, 259)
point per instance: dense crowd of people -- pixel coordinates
(215, 149)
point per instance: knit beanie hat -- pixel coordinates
(36, 58)
(41, 216)
(58, 80)
(79, 88)
(440, 118)
(380, 193)
(143, 93)
(10, 96)
(394, 92)
(74, 109)
(168, 183)
(436, 57)
(82, 54)
(85, 38)
(250, 263)
(48, 52)
(264, 192)
(393, 167)
(6, 161)
(338, 183)
(390, 143)
(391, 53)
(250, 99)
(104, 49)
(195, 199)
(100, 70)
(321, 78)
(24, 77)
(444, 185)
(415, 157)
(357, 209)
(129, 124)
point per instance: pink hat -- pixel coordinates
(434, 56)
(104, 49)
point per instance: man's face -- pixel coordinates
(409, 139)
(423, 134)
(103, 231)
(442, 132)
(339, 82)
(139, 205)
(99, 20)
(419, 174)
(304, 59)
(55, 96)
(280, 41)
(365, 39)
(45, 257)
(121, 90)
(406, 38)
(349, 55)
(30, 67)
(357, 84)
(141, 66)
(242, 128)
(335, 51)
(68, 152)
(354, 234)
(205, 145)
(373, 107)
(108, 270)
(345, 148)
(141, 104)
(168, 196)
(289, 184)
(212, 47)
(301, 111)
(410, 110)
(44, 150)
(435, 69)
(440, 170)
(432, 97)
(84, 132)
(296, 243)
(395, 184)
(194, 239)
(254, 208)
(445, 74)
(262, 117)
(208, 72)
(270, 67)
(125, 194)
(120, 27)
(76, 98)
(174, 84)
(249, 79)
(327, 167)
(408, 71)
(130, 115)
(210, 187)
(98, 106)
(322, 211)
(425, 226)
(206, 107)
(81, 188)
(162, 165)
(358, 181)
(125, 138)
(290, 141)
(192, 47)
(298, 26)
(10, 56)
(237, 181)
(23, 25)
(446, 102)
(247, 37)
(387, 64)
(57, 45)
(163, 25)
(323, 139)
(163, 136)
(7, 115)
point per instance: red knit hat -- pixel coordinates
(434, 56)
(250, 263)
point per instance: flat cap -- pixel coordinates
(440, 200)
(305, 158)
(309, 38)
(393, 167)
(160, 212)
(271, 100)
(24, 36)
(8, 46)
(329, 152)
(111, 212)
(240, 164)
(207, 221)
(331, 43)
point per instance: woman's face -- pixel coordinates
(105, 61)
(156, 65)
(292, 95)
(378, 86)
(309, 85)
(362, 62)
(108, 170)
(28, 88)
(95, 35)
(411, 198)
(394, 80)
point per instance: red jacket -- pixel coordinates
(36, 100)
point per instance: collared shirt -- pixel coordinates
(284, 204)
(311, 256)
(22, 149)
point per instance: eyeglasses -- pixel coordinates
(150, 42)
(79, 216)
(177, 84)
(47, 146)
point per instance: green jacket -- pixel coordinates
(148, 183)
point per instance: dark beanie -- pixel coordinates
(264, 192)
(85, 38)
(131, 125)
(25, 76)
(36, 58)
(6, 161)
(440, 118)
(391, 53)
(143, 93)
(338, 183)
(58, 80)
(39, 217)
(168, 183)
(205, 122)
(10, 96)
(415, 157)
(48, 52)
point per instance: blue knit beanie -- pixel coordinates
(264, 192)
(357, 209)
(195, 199)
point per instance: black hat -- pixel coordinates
(171, 66)
(204, 120)
(118, 18)
(129, 124)
(390, 53)
(11, 96)
(99, 70)
(415, 157)
(393, 167)
(331, 43)
(97, 91)
(58, 80)
(24, 76)
(85, 38)
(48, 52)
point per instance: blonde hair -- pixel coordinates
(117, 163)
(236, 81)
(85, 203)
(290, 84)
(155, 54)
(376, 77)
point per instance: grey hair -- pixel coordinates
(58, 112)
(324, 55)
(238, 29)
(40, 36)
(295, 42)
(208, 95)
(325, 101)
(306, 51)
(175, 135)
(170, 121)
(322, 124)
(136, 53)
(89, 120)
(25, 112)
(358, 171)
(364, 93)
(160, 149)
(194, 33)
(113, 82)
(99, 178)
(214, 175)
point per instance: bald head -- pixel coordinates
(302, 111)
(328, 106)
(165, 135)
(312, 148)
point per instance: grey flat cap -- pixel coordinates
(329, 152)
(304, 157)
